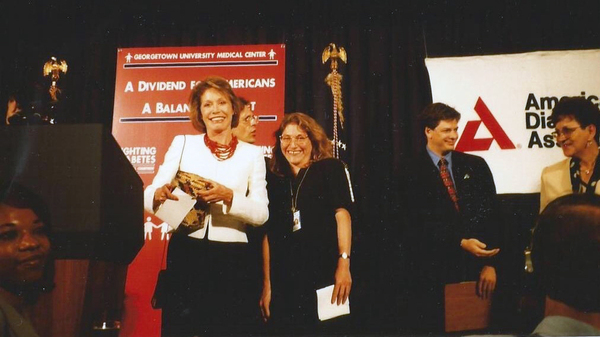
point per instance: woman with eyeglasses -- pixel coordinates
(209, 262)
(577, 122)
(308, 240)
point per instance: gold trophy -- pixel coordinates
(53, 67)
(334, 80)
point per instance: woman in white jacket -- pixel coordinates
(208, 266)
(577, 123)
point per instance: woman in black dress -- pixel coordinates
(308, 240)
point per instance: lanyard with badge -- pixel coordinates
(295, 210)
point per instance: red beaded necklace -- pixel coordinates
(220, 151)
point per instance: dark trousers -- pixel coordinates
(211, 290)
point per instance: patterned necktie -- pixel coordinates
(447, 179)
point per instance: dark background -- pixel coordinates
(385, 84)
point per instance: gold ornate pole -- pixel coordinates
(334, 80)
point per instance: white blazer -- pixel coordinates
(556, 182)
(244, 173)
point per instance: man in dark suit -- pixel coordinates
(451, 219)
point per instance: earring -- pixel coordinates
(589, 142)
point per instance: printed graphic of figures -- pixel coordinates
(164, 231)
(148, 226)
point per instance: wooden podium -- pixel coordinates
(464, 310)
(96, 202)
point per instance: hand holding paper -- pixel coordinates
(174, 211)
(343, 282)
(161, 194)
(325, 309)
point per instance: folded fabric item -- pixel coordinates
(191, 184)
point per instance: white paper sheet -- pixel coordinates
(325, 309)
(174, 211)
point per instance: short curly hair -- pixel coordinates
(16, 195)
(220, 84)
(580, 109)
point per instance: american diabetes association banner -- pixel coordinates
(151, 107)
(505, 102)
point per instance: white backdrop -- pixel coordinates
(505, 101)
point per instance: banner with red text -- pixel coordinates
(505, 102)
(151, 107)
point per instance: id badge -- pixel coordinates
(297, 224)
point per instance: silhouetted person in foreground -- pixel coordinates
(25, 268)
(566, 257)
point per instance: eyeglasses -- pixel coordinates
(251, 120)
(567, 132)
(300, 139)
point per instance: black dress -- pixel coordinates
(304, 260)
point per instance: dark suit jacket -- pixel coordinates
(433, 227)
